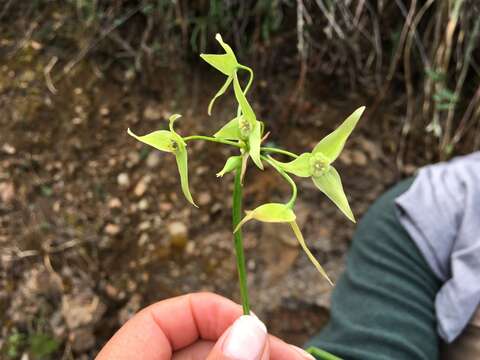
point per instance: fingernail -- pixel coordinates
(302, 352)
(246, 339)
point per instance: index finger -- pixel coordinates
(164, 327)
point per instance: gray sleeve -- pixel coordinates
(441, 212)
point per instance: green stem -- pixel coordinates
(212, 139)
(237, 236)
(290, 202)
(278, 151)
(322, 354)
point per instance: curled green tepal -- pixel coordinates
(247, 110)
(271, 212)
(301, 240)
(299, 167)
(232, 163)
(182, 163)
(331, 145)
(281, 213)
(254, 141)
(230, 131)
(162, 140)
(331, 185)
(225, 63)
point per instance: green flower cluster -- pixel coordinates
(245, 132)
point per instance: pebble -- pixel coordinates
(123, 180)
(7, 192)
(204, 198)
(141, 186)
(143, 204)
(178, 234)
(153, 159)
(152, 112)
(112, 229)
(114, 203)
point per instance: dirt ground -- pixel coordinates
(93, 225)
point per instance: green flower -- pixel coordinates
(170, 141)
(245, 126)
(281, 213)
(317, 164)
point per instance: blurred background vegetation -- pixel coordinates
(92, 226)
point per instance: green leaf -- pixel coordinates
(331, 185)
(301, 240)
(247, 110)
(224, 63)
(299, 167)
(254, 141)
(219, 93)
(232, 163)
(271, 212)
(182, 163)
(332, 144)
(162, 140)
(42, 345)
(230, 131)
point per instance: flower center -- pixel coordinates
(244, 127)
(173, 145)
(319, 165)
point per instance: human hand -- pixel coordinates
(196, 327)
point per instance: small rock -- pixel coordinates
(114, 203)
(144, 226)
(152, 112)
(82, 339)
(83, 309)
(166, 207)
(178, 234)
(190, 248)
(123, 180)
(8, 149)
(112, 229)
(143, 204)
(133, 158)
(7, 192)
(153, 159)
(204, 198)
(359, 158)
(143, 240)
(104, 111)
(141, 186)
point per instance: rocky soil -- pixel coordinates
(93, 225)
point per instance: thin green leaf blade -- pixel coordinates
(162, 140)
(332, 144)
(299, 167)
(254, 141)
(219, 93)
(331, 185)
(182, 163)
(301, 240)
(230, 131)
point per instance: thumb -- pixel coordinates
(246, 339)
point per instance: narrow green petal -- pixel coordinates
(271, 212)
(331, 185)
(230, 131)
(254, 141)
(182, 163)
(219, 93)
(162, 140)
(225, 46)
(247, 110)
(332, 144)
(225, 63)
(232, 163)
(305, 248)
(299, 167)
(171, 121)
